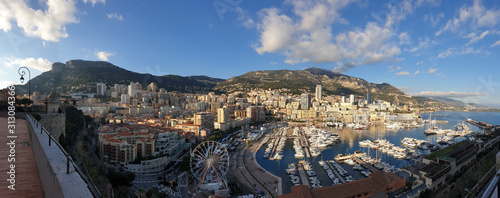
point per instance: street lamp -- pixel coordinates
(22, 73)
(470, 193)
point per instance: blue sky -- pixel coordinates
(424, 47)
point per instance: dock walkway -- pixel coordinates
(337, 174)
(303, 175)
(367, 166)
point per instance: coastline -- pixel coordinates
(254, 152)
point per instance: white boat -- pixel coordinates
(366, 173)
(394, 125)
(299, 155)
(316, 185)
(350, 162)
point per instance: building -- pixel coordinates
(122, 146)
(240, 113)
(447, 161)
(149, 166)
(167, 143)
(256, 114)
(153, 87)
(305, 101)
(118, 89)
(222, 115)
(52, 104)
(131, 89)
(125, 99)
(4, 96)
(101, 89)
(377, 183)
(205, 120)
(368, 99)
(319, 92)
(36, 97)
(351, 98)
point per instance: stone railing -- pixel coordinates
(59, 175)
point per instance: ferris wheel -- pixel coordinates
(209, 164)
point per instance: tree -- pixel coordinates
(185, 164)
(36, 116)
(117, 178)
(140, 192)
(24, 102)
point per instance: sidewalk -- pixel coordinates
(27, 182)
(269, 180)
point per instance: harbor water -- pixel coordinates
(350, 138)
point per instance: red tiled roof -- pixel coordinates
(375, 183)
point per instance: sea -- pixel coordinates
(350, 138)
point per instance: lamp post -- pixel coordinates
(22, 73)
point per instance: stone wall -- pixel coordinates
(51, 164)
(54, 123)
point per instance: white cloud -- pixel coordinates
(469, 50)
(462, 51)
(475, 16)
(495, 44)
(276, 31)
(404, 38)
(432, 70)
(420, 62)
(94, 2)
(39, 64)
(422, 44)
(403, 73)
(49, 24)
(244, 18)
(417, 72)
(446, 53)
(273, 63)
(115, 16)
(398, 68)
(5, 84)
(104, 56)
(475, 38)
(434, 19)
(308, 37)
(451, 94)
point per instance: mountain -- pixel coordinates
(84, 74)
(81, 75)
(457, 103)
(300, 81)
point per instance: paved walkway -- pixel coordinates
(270, 181)
(27, 180)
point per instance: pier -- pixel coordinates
(303, 175)
(337, 174)
(305, 143)
(276, 143)
(364, 164)
(481, 125)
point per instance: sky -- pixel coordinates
(445, 48)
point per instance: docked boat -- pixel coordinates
(366, 173)
(394, 125)
(311, 173)
(316, 185)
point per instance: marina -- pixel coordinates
(412, 140)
